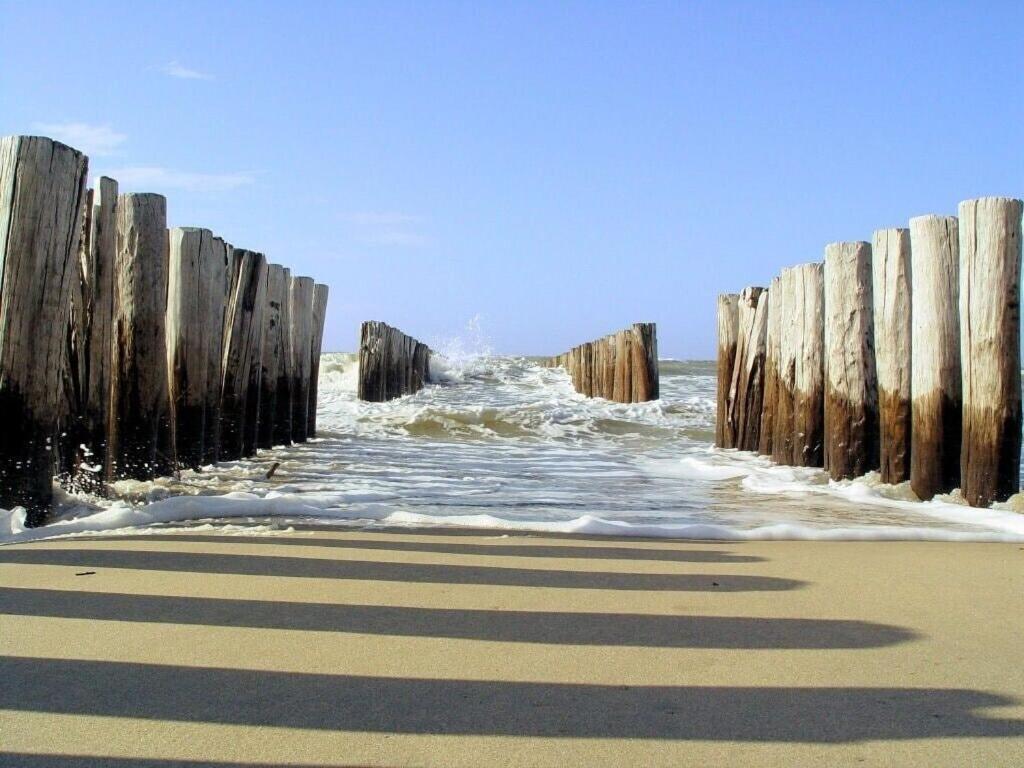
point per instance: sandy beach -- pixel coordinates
(447, 648)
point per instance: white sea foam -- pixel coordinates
(505, 444)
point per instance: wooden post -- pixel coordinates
(851, 391)
(391, 364)
(990, 264)
(808, 326)
(283, 398)
(240, 345)
(319, 315)
(216, 273)
(42, 188)
(728, 335)
(140, 401)
(301, 341)
(890, 259)
(746, 390)
(785, 387)
(273, 351)
(765, 443)
(190, 316)
(251, 422)
(935, 385)
(622, 367)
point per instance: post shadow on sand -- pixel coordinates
(464, 707)
(426, 573)
(497, 549)
(27, 760)
(557, 628)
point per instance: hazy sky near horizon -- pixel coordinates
(558, 169)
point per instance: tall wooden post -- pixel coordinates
(785, 389)
(935, 387)
(251, 422)
(301, 341)
(851, 391)
(283, 402)
(320, 292)
(140, 401)
(746, 391)
(990, 264)
(189, 320)
(216, 272)
(273, 351)
(240, 345)
(765, 443)
(728, 333)
(42, 188)
(890, 259)
(807, 323)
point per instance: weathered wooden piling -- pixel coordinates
(989, 309)
(622, 367)
(785, 386)
(190, 316)
(216, 274)
(391, 364)
(273, 352)
(138, 442)
(42, 189)
(807, 325)
(241, 341)
(320, 292)
(891, 290)
(253, 407)
(746, 391)
(935, 386)
(283, 391)
(765, 443)
(851, 392)
(301, 342)
(728, 335)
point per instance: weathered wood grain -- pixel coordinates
(273, 352)
(622, 367)
(391, 364)
(935, 386)
(320, 292)
(301, 342)
(891, 290)
(728, 335)
(42, 189)
(253, 407)
(216, 274)
(989, 308)
(746, 390)
(807, 323)
(139, 444)
(765, 443)
(851, 391)
(785, 386)
(283, 396)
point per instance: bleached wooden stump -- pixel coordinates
(728, 335)
(216, 272)
(140, 427)
(253, 407)
(42, 189)
(301, 343)
(935, 386)
(320, 293)
(273, 351)
(283, 390)
(807, 324)
(785, 386)
(773, 327)
(746, 390)
(890, 253)
(989, 307)
(241, 345)
(851, 393)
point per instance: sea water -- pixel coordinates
(506, 444)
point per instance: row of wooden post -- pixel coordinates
(901, 355)
(127, 351)
(391, 364)
(622, 367)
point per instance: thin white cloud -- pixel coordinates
(387, 228)
(93, 140)
(174, 69)
(158, 178)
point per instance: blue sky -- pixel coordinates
(557, 169)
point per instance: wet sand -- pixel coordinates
(447, 648)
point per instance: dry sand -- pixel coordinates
(435, 648)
